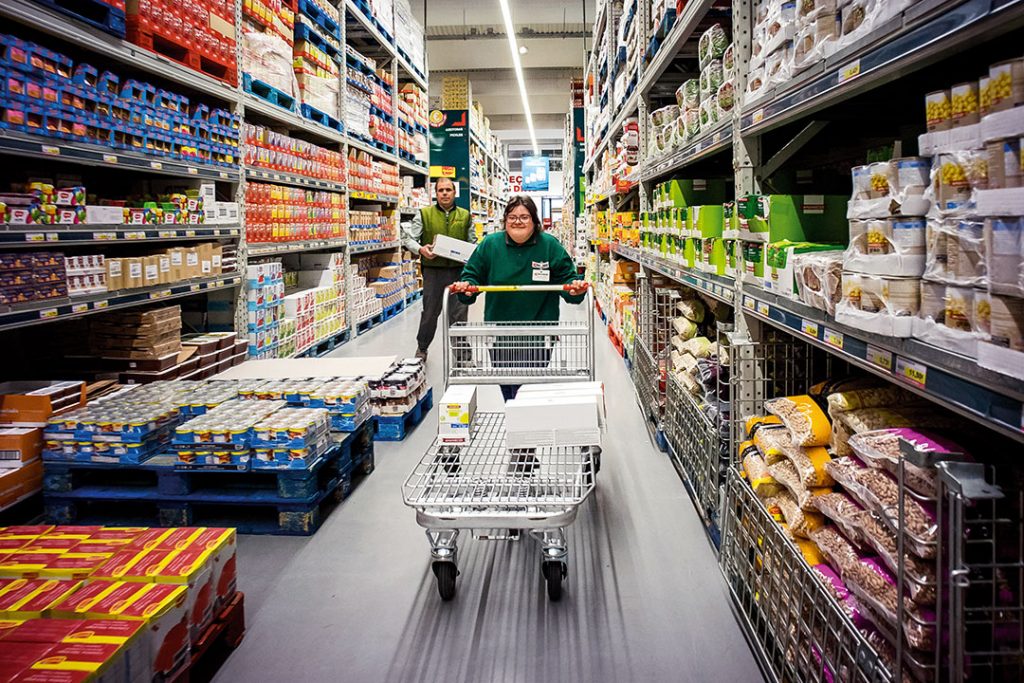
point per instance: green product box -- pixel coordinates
(753, 262)
(733, 257)
(706, 221)
(816, 218)
(691, 252)
(713, 256)
(690, 192)
(730, 216)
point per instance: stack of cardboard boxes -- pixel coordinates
(24, 409)
(113, 604)
(166, 267)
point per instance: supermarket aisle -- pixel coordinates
(357, 602)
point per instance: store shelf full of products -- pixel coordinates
(251, 133)
(768, 245)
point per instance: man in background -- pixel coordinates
(442, 218)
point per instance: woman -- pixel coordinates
(523, 254)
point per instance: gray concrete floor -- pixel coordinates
(644, 599)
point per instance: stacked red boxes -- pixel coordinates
(275, 213)
(197, 33)
(366, 174)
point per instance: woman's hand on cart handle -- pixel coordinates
(462, 288)
(576, 288)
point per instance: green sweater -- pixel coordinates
(498, 260)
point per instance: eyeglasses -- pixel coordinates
(518, 219)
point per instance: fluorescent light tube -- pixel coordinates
(510, 31)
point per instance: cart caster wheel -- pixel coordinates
(554, 572)
(445, 573)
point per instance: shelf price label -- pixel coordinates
(99, 304)
(79, 308)
(194, 288)
(110, 158)
(223, 174)
(104, 236)
(35, 237)
(48, 313)
(192, 170)
(879, 357)
(190, 233)
(165, 234)
(748, 302)
(915, 373)
(833, 338)
(50, 150)
(135, 235)
(156, 165)
(763, 308)
(809, 327)
(758, 116)
(849, 72)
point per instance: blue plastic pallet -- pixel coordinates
(93, 12)
(259, 511)
(392, 310)
(162, 477)
(323, 119)
(368, 324)
(327, 345)
(415, 296)
(305, 33)
(326, 23)
(396, 427)
(267, 92)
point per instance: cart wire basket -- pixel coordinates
(484, 485)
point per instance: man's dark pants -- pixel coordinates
(435, 284)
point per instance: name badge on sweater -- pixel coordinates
(541, 271)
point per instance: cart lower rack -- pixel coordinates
(484, 485)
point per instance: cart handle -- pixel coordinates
(476, 289)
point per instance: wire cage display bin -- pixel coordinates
(656, 299)
(646, 380)
(697, 431)
(973, 627)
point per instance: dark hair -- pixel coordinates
(438, 181)
(523, 200)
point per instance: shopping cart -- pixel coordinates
(485, 486)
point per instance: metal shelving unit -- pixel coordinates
(355, 26)
(779, 346)
(52, 310)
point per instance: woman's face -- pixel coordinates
(519, 224)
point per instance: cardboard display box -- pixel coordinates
(451, 248)
(456, 413)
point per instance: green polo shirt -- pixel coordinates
(500, 261)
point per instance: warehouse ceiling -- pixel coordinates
(467, 37)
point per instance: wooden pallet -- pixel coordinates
(397, 427)
(169, 46)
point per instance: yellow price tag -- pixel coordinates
(879, 357)
(850, 71)
(915, 373)
(833, 338)
(50, 150)
(809, 327)
(48, 313)
(110, 158)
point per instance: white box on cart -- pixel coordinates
(552, 421)
(456, 413)
(568, 389)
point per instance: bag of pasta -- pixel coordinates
(807, 423)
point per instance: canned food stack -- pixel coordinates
(971, 299)
(265, 310)
(126, 428)
(268, 40)
(346, 400)
(399, 389)
(289, 435)
(223, 435)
